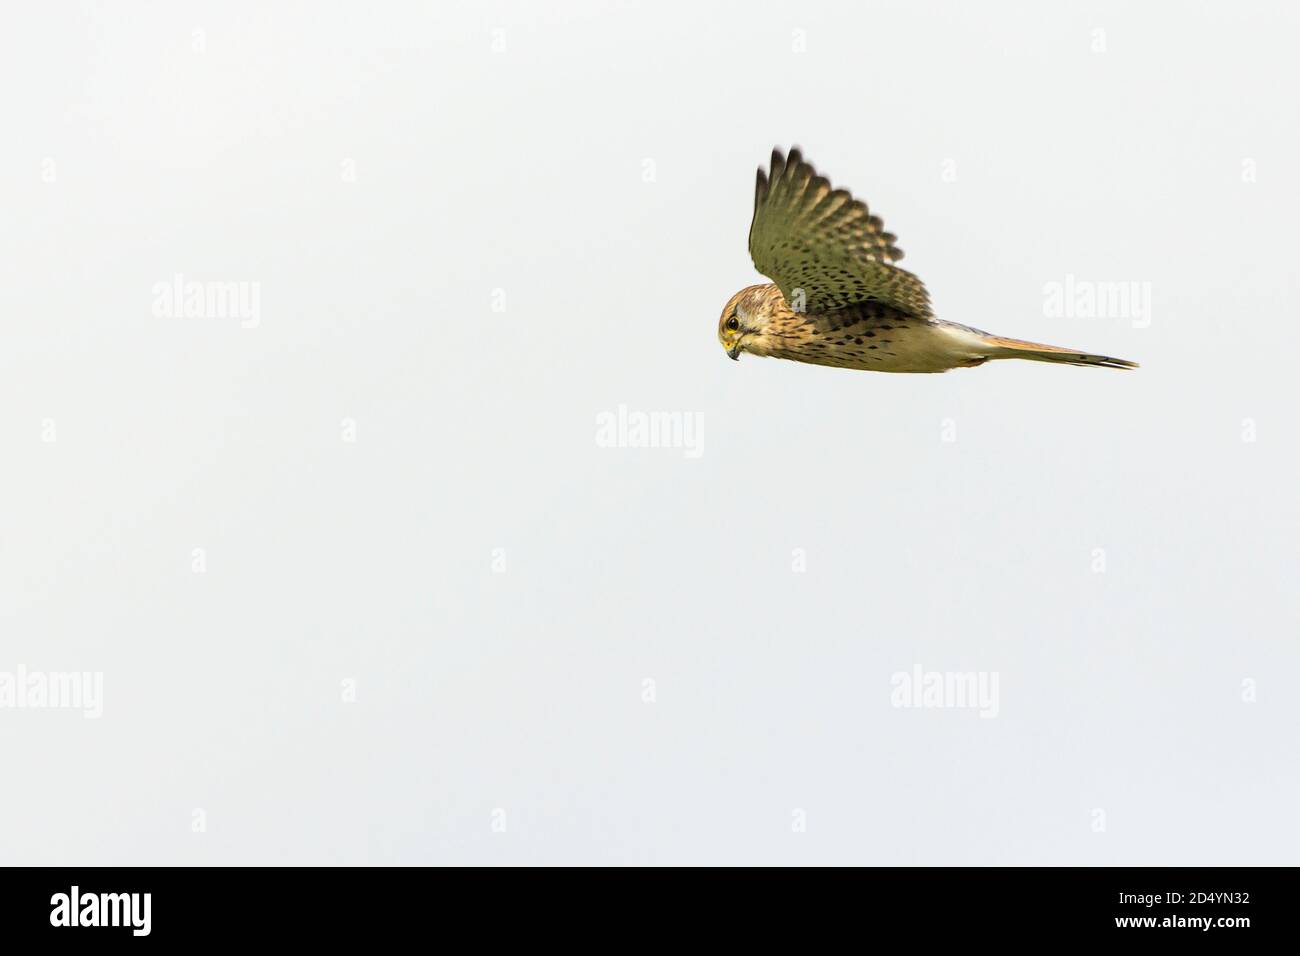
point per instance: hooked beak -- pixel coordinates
(734, 353)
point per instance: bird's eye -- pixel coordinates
(733, 324)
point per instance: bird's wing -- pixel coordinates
(807, 236)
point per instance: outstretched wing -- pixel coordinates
(807, 236)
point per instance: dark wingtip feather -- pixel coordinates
(778, 164)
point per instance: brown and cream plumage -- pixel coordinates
(837, 297)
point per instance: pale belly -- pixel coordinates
(877, 338)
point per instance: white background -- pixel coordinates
(381, 171)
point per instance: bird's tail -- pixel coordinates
(1037, 352)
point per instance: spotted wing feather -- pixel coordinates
(809, 237)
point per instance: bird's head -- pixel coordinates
(743, 325)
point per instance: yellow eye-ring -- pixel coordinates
(733, 324)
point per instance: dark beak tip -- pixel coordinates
(735, 354)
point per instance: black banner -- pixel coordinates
(334, 906)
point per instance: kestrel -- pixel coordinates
(838, 299)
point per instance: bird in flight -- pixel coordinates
(838, 298)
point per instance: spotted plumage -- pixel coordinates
(837, 296)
